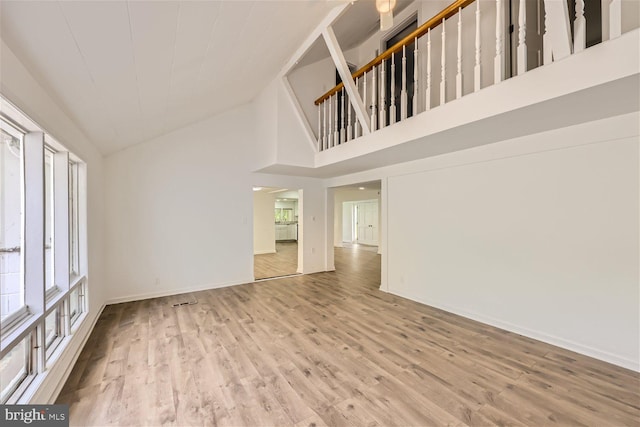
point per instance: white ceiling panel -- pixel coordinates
(50, 53)
(102, 33)
(153, 34)
(127, 71)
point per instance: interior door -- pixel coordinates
(408, 29)
(368, 222)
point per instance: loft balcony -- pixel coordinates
(473, 73)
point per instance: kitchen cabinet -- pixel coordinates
(286, 232)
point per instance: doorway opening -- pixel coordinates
(396, 62)
(276, 236)
(357, 219)
(360, 223)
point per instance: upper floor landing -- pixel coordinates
(468, 74)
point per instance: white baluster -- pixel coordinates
(579, 28)
(443, 66)
(349, 128)
(383, 95)
(343, 137)
(521, 53)
(357, 127)
(374, 111)
(330, 138)
(382, 110)
(364, 91)
(427, 94)
(325, 141)
(415, 76)
(498, 62)
(615, 19)
(477, 70)
(547, 54)
(539, 31)
(459, 74)
(319, 127)
(403, 91)
(392, 108)
(336, 129)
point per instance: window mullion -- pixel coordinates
(83, 254)
(61, 220)
(33, 226)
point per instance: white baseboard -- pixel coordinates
(264, 252)
(537, 335)
(170, 292)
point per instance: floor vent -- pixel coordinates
(184, 303)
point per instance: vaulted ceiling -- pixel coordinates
(127, 71)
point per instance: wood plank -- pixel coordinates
(330, 349)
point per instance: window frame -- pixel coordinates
(28, 325)
(52, 343)
(50, 285)
(21, 313)
(17, 387)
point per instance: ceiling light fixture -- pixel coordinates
(385, 8)
(257, 188)
(360, 188)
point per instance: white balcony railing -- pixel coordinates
(397, 85)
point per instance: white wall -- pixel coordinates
(264, 231)
(265, 124)
(26, 93)
(294, 144)
(309, 83)
(537, 235)
(179, 210)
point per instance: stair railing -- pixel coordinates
(375, 81)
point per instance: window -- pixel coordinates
(48, 219)
(284, 214)
(53, 330)
(42, 276)
(75, 309)
(14, 368)
(11, 199)
(74, 246)
(76, 303)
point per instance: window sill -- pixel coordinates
(19, 332)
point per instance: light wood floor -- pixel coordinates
(330, 349)
(282, 263)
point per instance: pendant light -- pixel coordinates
(385, 8)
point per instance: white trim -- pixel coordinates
(19, 332)
(299, 113)
(171, 292)
(264, 252)
(47, 386)
(13, 320)
(340, 63)
(328, 20)
(21, 122)
(537, 335)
